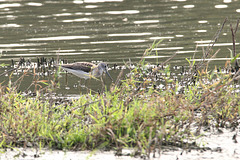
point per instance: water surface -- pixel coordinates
(114, 31)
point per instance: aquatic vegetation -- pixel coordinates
(135, 112)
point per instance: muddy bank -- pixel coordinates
(222, 144)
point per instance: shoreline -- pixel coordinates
(222, 146)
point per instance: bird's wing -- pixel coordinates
(84, 66)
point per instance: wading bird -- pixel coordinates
(87, 70)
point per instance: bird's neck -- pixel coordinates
(97, 72)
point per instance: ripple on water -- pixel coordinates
(153, 38)
(20, 45)
(8, 5)
(112, 42)
(91, 6)
(168, 48)
(146, 21)
(128, 34)
(203, 21)
(78, 20)
(57, 38)
(123, 12)
(34, 4)
(217, 44)
(101, 1)
(221, 6)
(189, 6)
(10, 25)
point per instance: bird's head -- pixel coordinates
(103, 66)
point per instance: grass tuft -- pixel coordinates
(135, 112)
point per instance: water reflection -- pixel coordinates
(62, 14)
(214, 59)
(100, 1)
(203, 21)
(123, 12)
(91, 6)
(201, 31)
(179, 35)
(128, 34)
(20, 45)
(189, 6)
(122, 41)
(113, 30)
(155, 38)
(217, 44)
(34, 4)
(10, 25)
(9, 5)
(221, 6)
(227, 1)
(79, 20)
(57, 38)
(146, 21)
(205, 41)
(181, 52)
(168, 48)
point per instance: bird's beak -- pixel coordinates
(109, 75)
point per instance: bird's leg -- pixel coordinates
(103, 85)
(66, 79)
(83, 85)
(87, 84)
(79, 84)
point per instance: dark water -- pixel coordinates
(113, 31)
